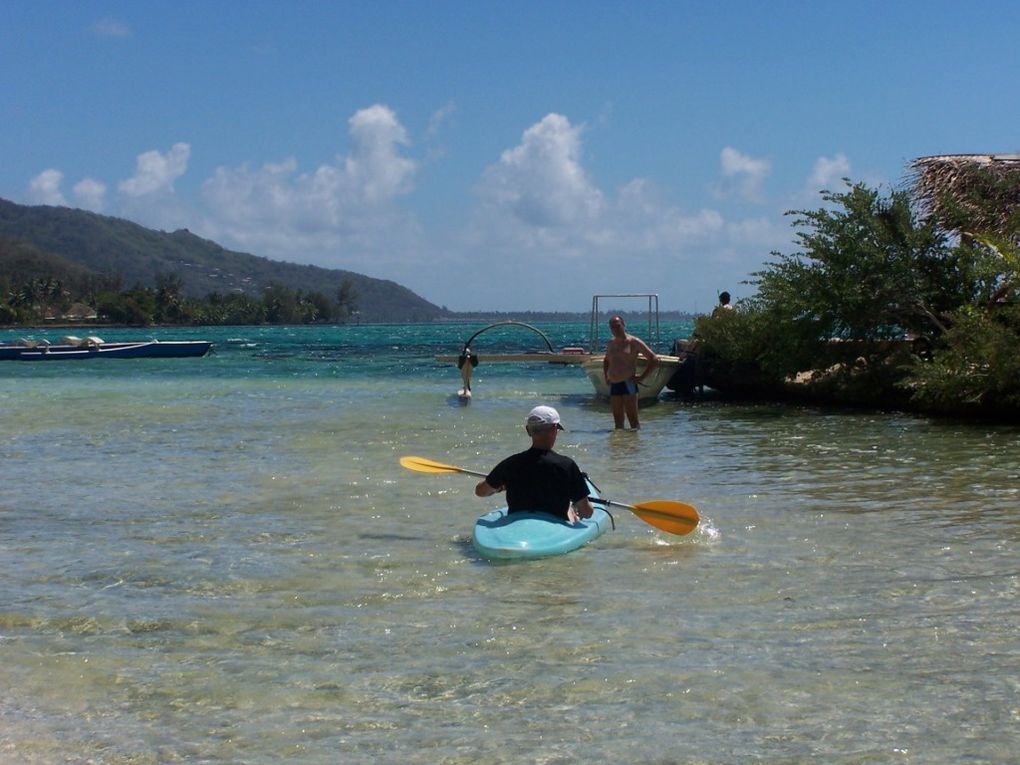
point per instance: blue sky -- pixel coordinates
(496, 156)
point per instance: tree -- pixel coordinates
(873, 273)
(321, 308)
(282, 305)
(867, 272)
(169, 298)
(868, 269)
(346, 300)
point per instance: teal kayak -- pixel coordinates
(501, 535)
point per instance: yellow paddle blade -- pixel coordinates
(667, 514)
(422, 465)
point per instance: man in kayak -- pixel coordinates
(539, 479)
(620, 369)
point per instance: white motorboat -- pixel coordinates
(649, 388)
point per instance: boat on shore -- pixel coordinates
(649, 388)
(589, 358)
(72, 348)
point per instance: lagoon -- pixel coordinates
(219, 560)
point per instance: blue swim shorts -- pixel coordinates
(623, 388)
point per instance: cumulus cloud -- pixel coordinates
(642, 219)
(44, 189)
(828, 171)
(538, 198)
(543, 214)
(90, 194)
(155, 172)
(276, 209)
(541, 180)
(375, 171)
(540, 212)
(743, 174)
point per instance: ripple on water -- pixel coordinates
(235, 569)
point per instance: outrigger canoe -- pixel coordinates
(73, 348)
(519, 536)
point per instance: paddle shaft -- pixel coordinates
(668, 515)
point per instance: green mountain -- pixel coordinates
(112, 249)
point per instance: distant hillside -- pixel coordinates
(108, 248)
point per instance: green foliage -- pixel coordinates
(110, 251)
(26, 303)
(754, 349)
(870, 274)
(977, 369)
(868, 270)
(125, 308)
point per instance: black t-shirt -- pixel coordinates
(539, 479)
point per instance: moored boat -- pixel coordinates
(73, 348)
(589, 358)
(649, 388)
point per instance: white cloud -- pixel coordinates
(90, 194)
(541, 180)
(374, 170)
(436, 151)
(743, 174)
(539, 201)
(827, 172)
(550, 237)
(642, 220)
(439, 118)
(110, 27)
(155, 172)
(44, 189)
(273, 210)
(543, 234)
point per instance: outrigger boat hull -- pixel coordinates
(649, 388)
(147, 349)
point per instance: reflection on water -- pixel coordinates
(222, 561)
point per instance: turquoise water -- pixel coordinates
(219, 560)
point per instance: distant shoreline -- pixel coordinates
(465, 318)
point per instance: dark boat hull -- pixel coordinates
(149, 349)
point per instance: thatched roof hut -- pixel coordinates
(972, 192)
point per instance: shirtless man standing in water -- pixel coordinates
(620, 370)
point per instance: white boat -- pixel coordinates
(589, 359)
(649, 388)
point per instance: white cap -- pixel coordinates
(542, 417)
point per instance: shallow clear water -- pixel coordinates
(219, 560)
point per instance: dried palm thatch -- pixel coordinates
(970, 192)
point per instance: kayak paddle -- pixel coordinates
(669, 515)
(422, 465)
